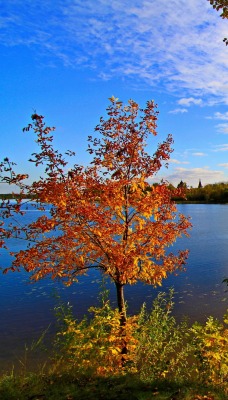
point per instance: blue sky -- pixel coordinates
(64, 59)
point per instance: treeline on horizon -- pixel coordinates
(211, 193)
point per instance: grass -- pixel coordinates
(129, 387)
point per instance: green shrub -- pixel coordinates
(210, 345)
(162, 351)
(157, 348)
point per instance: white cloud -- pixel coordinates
(199, 154)
(192, 176)
(178, 111)
(189, 101)
(221, 147)
(225, 165)
(222, 128)
(174, 161)
(176, 46)
(219, 115)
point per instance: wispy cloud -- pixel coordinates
(199, 154)
(222, 128)
(222, 116)
(225, 165)
(178, 111)
(192, 176)
(176, 47)
(174, 161)
(189, 101)
(219, 115)
(221, 147)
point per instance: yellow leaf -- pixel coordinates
(115, 352)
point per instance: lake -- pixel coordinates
(27, 309)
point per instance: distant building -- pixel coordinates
(200, 184)
(182, 184)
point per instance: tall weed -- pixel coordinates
(162, 351)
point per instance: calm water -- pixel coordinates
(27, 309)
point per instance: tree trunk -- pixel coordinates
(123, 316)
(121, 303)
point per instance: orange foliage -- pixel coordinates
(107, 215)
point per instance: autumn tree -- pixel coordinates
(107, 215)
